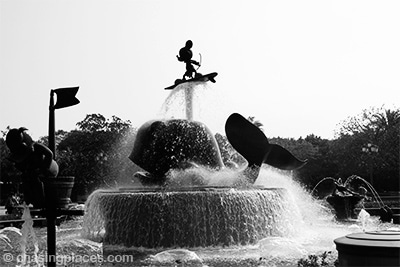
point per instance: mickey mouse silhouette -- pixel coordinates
(185, 55)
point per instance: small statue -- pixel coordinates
(341, 189)
(12, 204)
(185, 55)
(191, 74)
(34, 160)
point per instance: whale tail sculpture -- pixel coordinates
(248, 140)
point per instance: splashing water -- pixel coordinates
(28, 234)
(177, 256)
(238, 198)
(202, 176)
(363, 217)
(313, 222)
(306, 225)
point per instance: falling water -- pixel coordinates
(302, 225)
(197, 101)
(270, 218)
(190, 218)
(180, 103)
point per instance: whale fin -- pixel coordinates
(248, 140)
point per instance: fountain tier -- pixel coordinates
(196, 217)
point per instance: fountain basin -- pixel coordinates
(187, 217)
(377, 248)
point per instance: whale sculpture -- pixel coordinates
(161, 146)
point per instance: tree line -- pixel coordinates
(96, 153)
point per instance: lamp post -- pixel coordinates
(370, 150)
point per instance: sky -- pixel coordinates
(298, 67)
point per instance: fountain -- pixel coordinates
(179, 203)
(181, 207)
(366, 248)
(344, 200)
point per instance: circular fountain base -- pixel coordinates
(378, 248)
(195, 217)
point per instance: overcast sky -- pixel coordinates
(299, 67)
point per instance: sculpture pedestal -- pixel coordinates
(378, 248)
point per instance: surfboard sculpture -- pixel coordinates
(198, 78)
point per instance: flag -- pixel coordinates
(66, 97)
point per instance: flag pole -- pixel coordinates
(52, 127)
(50, 211)
(65, 98)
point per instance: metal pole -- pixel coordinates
(52, 138)
(51, 236)
(50, 209)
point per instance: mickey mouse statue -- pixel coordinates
(185, 55)
(34, 160)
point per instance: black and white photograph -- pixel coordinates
(199, 133)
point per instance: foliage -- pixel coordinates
(10, 176)
(319, 164)
(300, 148)
(381, 128)
(98, 123)
(97, 153)
(316, 260)
(257, 123)
(59, 136)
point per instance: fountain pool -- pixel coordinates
(298, 225)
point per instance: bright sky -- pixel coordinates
(299, 67)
